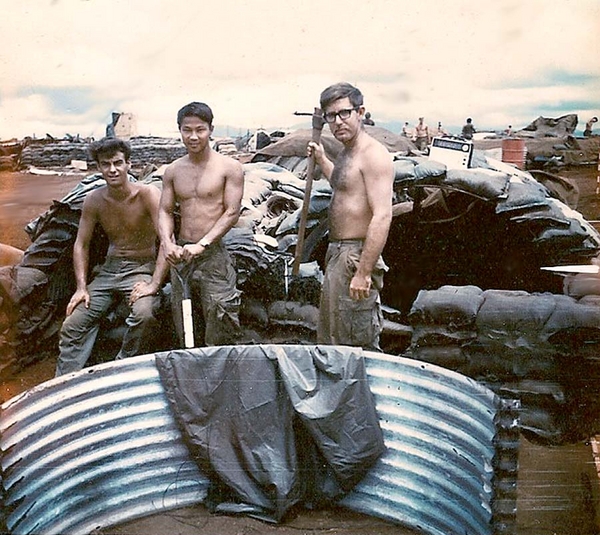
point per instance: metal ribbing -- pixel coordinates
(101, 447)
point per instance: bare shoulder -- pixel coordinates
(376, 153)
(174, 167)
(148, 191)
(228, 162)
(230, 166)
(94, 198)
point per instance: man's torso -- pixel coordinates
(349, 210)
(199, 189)
(127, 223)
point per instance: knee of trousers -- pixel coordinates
(143, 310)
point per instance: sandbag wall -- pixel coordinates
(543, 349)
(144, 150)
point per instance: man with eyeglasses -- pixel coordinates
(360, 214)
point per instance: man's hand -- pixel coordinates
(142, 289)
(317, 150)
(78, 297)
(173, 253)
(360, 286)
(191, 250)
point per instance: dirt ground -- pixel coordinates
(558, 486)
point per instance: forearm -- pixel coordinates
(166, 227)
(326, 166)
(80, 266)
(161, 269)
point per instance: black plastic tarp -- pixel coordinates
(274, 426)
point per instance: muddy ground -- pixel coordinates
(558, 486)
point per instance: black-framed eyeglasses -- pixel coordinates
(342, 114)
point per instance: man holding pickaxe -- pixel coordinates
(360, 214)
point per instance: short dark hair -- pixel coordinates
(195, 109)
(341, 90)
(108, 147)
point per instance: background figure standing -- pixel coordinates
(468, 129)
(508, 132)
(588, 127)
(360, 214)
(207, 187)
(128, 213)
(421, 135)
(406, 129)
(367, 120)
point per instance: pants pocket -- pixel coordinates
(360, 321)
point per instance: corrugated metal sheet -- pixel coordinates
(100, 447)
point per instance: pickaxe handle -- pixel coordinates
(317, 128)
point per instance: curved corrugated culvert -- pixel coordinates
(101, 446)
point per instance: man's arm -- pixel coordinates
(378, 174)
(166, 223)
(141, 289)
(81, 252)
(321, 158)
(232, 202)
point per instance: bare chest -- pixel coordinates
(199, 186)
(124, 217)
(346, 175)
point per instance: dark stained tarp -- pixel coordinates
(550, 127)
(272, 428)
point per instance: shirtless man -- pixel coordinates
(360, 214)
(208, 188)
(421, 135)
(128, 213)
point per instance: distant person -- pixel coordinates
(207, 187)
(440, 130)
(508, 132)
(588, 127)
(128, 213)
(367, 120)
(468, 129)
(406, 130)
(360, 214)
(421, 135)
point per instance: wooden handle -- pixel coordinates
(317, 128)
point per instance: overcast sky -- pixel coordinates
(66, 65)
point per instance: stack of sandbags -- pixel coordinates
(59, 153)
(539, 348)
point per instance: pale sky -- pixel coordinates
(66, 65)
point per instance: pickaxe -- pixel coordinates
(317, 128)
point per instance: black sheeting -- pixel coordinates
(274, 426)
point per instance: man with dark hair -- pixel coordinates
(128, 213)
(468, 129)
(360, 214)
(207, 187)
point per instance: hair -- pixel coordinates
(341, 90)
(108, 147)
(469, 119)
(195, 109)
